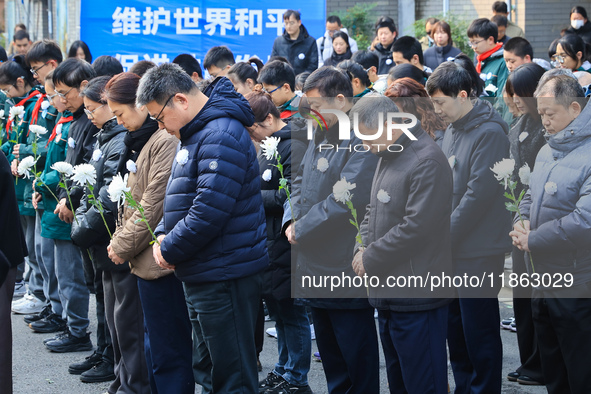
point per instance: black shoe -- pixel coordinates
(270, 381)
(526, 380)
(512, 376)
(87, 364)
(287, 388)
(51, 323)
(101, 372)
(38, 316)
(70, 343)
(58, 336)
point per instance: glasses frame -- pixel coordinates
(90, 114)
(7, 90)
(475, 44)
(157, 117)
(63, 96)
(269, 92)
(35, 70)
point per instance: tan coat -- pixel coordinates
(131, 240)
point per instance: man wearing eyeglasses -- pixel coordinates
(296, 45)
(213, 229)
(278, 79)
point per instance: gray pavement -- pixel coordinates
(37, 371)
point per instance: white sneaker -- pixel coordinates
(20, 289)
(31, 305)
(272, 332)
(22, 300)
(312, 332)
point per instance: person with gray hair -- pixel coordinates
(213, 232)
(557, 215)
(410, 203)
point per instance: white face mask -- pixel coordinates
(577, 23)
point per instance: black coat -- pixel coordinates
(278, 274)
(385, 56)
(407, 231)
(434, 56)
(13, 248)
(89, 230)
(82, 136)
(302, 53)
(480, 224)
(584, 32)
(526, 138)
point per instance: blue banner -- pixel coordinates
(158, 31)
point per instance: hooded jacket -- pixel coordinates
(323, 230)
(558, 202)
(435, 55)
(494, 73)
(302, 53)
(480, 224)
(278, 274)
(407, 224)
(584, 32)
(214, 218)
(89, 230)
(81, 141)
(385, 56)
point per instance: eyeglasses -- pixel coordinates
(5, 92)
(90, 114)
(474, 44)
(50, 97)
(559, 59)
(35, 70)
(157, 117)
(63, 95)
(269, 92)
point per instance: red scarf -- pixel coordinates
(36, 109)
(59, 122)
(486, 55)
(22, 102)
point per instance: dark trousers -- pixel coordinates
(123, 312)
(527, 341)
(167, 335)
(348, 345)
(414, 346)
(473, 335)
(563, 327)
(6, 291)
(223, 316)
(259, 331)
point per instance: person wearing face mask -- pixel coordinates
(427, 40)
(555, 232)
(580, 24)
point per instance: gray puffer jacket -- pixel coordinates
(558, 203)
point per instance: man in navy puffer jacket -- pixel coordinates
(213, 231)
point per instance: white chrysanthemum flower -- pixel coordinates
(491, 88)
(503, 170)
(269, 147)
(1, 114)
(267, 175)
(182, 157)
(97, 154)
(383, 196)
(524, 174)
(452, 161)
(551, 188)
(117, 188)
(38, 130)
(25, 166)
(83, 174)
(71, 142)
(63, 168)
(17, 111)
(131, 167)
(322, 164)
(342, 190)
(44, 105)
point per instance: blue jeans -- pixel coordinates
(35, 278)
(293, 340)
(223, 315)
(415, 350)
(168, 356)
(63, 260)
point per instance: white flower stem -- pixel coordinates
(517, 201)
(99, 207)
